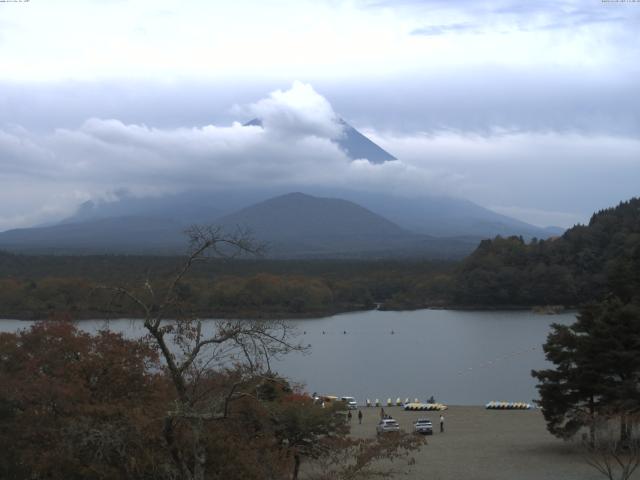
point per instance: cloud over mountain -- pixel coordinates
(298, 145)
(298, 111)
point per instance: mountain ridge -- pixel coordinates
(356, 222)
(295, 225)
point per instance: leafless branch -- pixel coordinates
(614, 457)
(182, 342)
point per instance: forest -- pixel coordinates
(585, 263)
(34, 287)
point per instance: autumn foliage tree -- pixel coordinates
(193, 400)
(74, 405)
(193, 353)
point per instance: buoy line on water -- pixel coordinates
(351, 332)
(490, 363)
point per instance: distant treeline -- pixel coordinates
(47, 286)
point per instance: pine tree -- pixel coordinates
(597, 370)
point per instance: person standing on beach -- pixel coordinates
(381, 413)
(441, 423)
(360, 417)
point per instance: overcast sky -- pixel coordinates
(529, 108)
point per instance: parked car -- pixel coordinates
(324, 399)
(423, 426)
(351, 402)
(387, 425)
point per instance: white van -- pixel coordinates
(351, 402)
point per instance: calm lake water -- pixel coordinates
(459, 357)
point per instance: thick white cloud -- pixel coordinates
(298, 111)
(521, 172)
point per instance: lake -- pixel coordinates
(459, 357)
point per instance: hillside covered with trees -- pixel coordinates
(592, 388)
(586, 263)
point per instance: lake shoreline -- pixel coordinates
(87, 316)
(312, 315)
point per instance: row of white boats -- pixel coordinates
(408, 405)
(420, 406)
(493, 405)
(508, 406)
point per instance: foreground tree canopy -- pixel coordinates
(595, 385)
(190, 401)
(76, 406)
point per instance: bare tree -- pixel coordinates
(361, 459)
(616, 457)
(193, 350)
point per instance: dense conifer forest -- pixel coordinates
(586, 263)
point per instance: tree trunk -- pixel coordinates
(296, 466)
(625, 431)
(173, 449)
(199, 451)
(592, 423)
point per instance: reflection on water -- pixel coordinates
(459, 357)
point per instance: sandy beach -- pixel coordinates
(480, 444)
